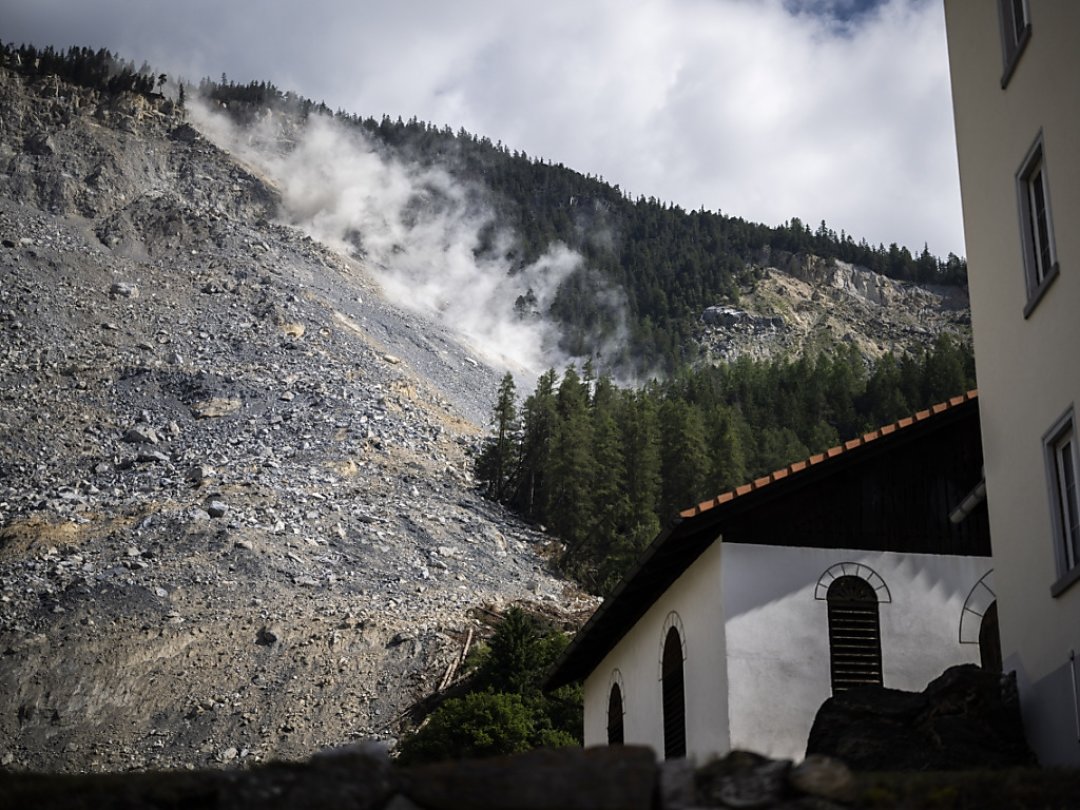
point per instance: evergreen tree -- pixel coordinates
(778, 447)
(497, 464)
(611, 513)
(684, 460)
(540, 420)
(884, 401)
(569, 506)
(641, 442)
(945, 375)
(727, 467)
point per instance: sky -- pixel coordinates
(835, 110)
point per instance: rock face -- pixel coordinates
(804, 303)
(219, 500)
(966, 718)
(732, 318)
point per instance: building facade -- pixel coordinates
(753, 630)
(854, 567)
(1015, 68)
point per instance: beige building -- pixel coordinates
(1016, 95)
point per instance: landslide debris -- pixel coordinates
(236, 514)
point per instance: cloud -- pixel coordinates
(765, 109)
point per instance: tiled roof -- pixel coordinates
(832, 452)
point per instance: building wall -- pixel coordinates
(1028, 367)
(778, 633)
(695, 599)
(757, 650)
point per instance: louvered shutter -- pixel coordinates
(854, 634)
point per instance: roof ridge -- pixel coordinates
(851, 444)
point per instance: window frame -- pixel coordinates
(1037, 244)
(1013, 41)
(1059, 447)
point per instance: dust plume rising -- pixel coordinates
(431, 241)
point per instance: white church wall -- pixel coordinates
(695, 601)
(777, 632)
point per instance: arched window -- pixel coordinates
(674, 697)
(615, 716)
(854, 634)
(989, 640)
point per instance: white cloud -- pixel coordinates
(764, 109)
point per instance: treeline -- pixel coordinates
(244, 101)
(603, 467)
(96, 69)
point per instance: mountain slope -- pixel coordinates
(236, 517)
(645, 270)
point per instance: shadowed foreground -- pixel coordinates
(628, 778)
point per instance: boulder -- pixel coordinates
(141, 435)
(215, 407)
(966, 718)
(123, 289)
(185, 133)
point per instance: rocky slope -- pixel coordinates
(236, 516)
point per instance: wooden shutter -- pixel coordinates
(854, 634)
(674, 697)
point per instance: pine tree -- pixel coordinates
(540, 417)
(727, 467)
(497, 464)
(884, 400)
(602, 548)
(944, 375)
(569, 506)
(684, 459)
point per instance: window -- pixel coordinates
(615, 716)
(674, 696)
(1036, 225)
(1062, 466)
(854, 634)
(990, 640)
(1015, 33)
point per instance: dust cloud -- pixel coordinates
(431, 241)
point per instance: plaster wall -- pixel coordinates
(695, 599)
(1028, 367)
(757, 650)
(778, 633)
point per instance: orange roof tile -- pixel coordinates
(832, 452)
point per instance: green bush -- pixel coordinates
(506, 712)
(480, 724)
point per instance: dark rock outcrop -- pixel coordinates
(966, 718)
(732, 318)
